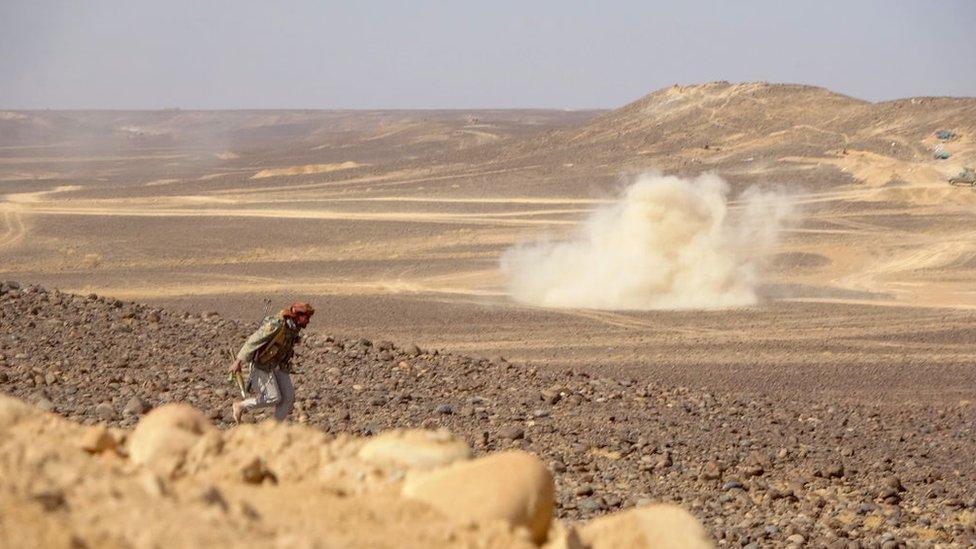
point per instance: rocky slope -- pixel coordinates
(761, 471)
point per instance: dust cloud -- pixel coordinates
(665, 243)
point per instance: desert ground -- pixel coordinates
(394, 224)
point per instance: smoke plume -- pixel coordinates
(666, 243)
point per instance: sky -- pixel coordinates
(564, 54)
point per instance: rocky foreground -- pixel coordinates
(177, 481)
(755, 471)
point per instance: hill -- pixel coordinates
(719, 125)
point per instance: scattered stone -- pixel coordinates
(753, 470)
(511, 432)
(584, 490)
(105, 411)
(711, 471)
(444, 409)
(591, 505)
(412, 350)
(895, 484)
(834, 470)
(136, 406)
(45, 404)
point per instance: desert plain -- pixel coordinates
(855, 353)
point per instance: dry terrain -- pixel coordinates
(858, 353)
(393, 223)
(767, 470)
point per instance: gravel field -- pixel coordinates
(761, 470)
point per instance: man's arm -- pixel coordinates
(261, 336)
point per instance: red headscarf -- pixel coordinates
(300, 312)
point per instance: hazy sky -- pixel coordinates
(465, 54)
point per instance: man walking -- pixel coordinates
(268, 353)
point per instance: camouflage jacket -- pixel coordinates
(271, 345)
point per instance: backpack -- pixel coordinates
(277, 350)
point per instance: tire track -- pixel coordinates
(14, 229)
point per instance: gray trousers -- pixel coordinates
(272, 388)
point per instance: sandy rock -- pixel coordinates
(42, 529)
(512, 486)
(255, 472)
(97, 439)
(13, 411)
(210, 495)
(164, 436)
(51, 499)
(657, 526)
(415, 449)
(563, 536)
(153, 484)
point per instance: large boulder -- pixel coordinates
(514, 487)
(163, 437)
(657, 526)
(415, 449)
